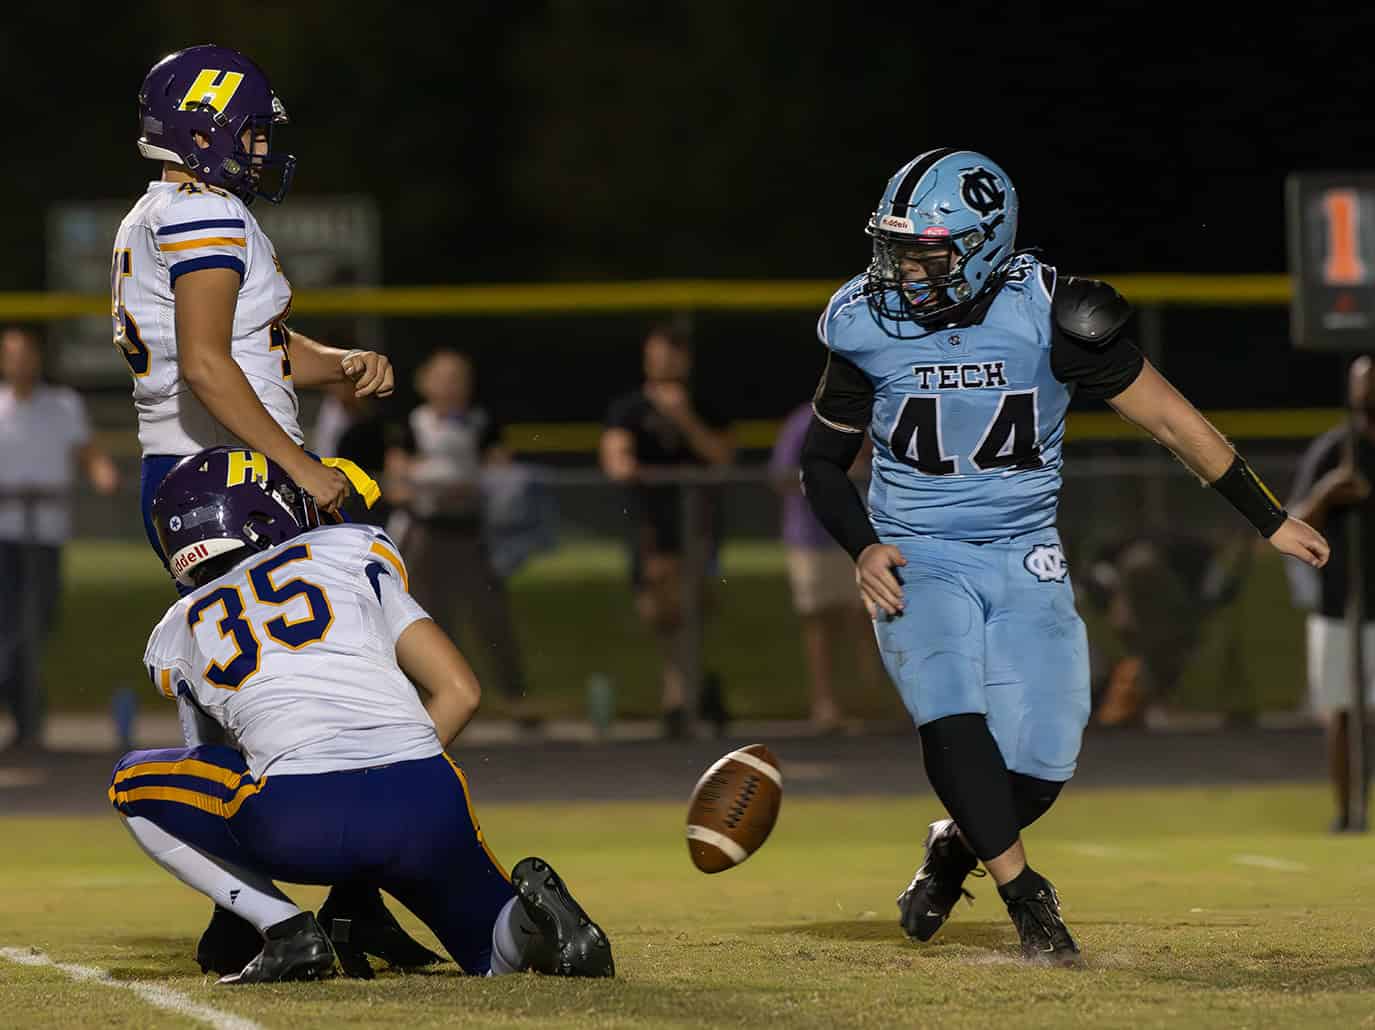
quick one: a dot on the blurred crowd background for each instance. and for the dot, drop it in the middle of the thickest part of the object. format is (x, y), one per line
(592, 471)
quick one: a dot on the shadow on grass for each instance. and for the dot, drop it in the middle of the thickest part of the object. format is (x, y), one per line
(154, 958)
(969, 934)
(1290, 974)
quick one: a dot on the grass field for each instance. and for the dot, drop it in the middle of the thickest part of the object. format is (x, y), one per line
(575, 619)
(1199, 908)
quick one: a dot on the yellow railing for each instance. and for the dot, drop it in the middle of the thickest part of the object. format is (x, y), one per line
(1080, 427)
(530, 299)
(761, 433)
(517, 299)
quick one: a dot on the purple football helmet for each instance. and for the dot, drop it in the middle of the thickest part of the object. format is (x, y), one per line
(218, 93)
(224, 499)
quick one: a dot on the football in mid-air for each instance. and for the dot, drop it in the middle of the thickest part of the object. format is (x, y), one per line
(733, 808)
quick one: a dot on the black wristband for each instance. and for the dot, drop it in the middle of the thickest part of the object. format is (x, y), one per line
(1248, 495)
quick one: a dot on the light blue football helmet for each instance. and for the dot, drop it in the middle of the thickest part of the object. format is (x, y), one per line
(944, 198)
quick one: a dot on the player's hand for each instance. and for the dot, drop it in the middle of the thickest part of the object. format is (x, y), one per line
(1343, 486)
(670, 398)
(878, 583)
(1297, 538)
(371, 373)
(328, 486)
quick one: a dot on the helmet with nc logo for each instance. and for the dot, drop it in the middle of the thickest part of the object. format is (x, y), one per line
(193, 109)
(955, 202)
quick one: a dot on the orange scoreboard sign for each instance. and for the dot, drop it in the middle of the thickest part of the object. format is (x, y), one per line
(1331, 238)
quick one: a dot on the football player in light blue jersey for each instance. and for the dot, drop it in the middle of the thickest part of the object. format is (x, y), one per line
(958, 354)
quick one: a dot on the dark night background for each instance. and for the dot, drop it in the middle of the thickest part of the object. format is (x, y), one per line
(588, 140)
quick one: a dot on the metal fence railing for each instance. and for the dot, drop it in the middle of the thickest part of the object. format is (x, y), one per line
(577, 623)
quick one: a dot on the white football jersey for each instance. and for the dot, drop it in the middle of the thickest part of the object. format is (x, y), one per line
(293, 653)
(177, 228)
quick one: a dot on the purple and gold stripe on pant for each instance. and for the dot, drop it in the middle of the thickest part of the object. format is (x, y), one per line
(172, 776)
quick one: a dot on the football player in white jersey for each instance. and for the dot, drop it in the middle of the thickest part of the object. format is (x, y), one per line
(200, 303)
(302, 646)
(198, 297)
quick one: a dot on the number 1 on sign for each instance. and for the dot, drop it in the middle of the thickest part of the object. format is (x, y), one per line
(1342, 264)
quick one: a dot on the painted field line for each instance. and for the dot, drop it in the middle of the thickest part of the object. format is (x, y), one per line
(154, 994)
(1093, 850)
(1278, 865)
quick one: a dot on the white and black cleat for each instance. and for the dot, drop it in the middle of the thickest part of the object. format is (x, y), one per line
(294, 949)
(931, 896)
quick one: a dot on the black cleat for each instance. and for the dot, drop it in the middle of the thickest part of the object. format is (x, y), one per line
(228, 944)
(359, 924)
(929, 899)
(1045, 938)
(575, 946)
(294, 949)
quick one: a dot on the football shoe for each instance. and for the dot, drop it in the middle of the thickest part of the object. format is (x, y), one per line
(573, 945)
(929, 899)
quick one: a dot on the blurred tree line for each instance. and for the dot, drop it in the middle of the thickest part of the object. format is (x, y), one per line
(592, 139)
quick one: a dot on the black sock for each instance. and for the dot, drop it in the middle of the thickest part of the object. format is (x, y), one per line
(968, 774)
(1024, 885)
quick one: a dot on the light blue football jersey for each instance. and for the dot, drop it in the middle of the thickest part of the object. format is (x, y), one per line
(968, 421)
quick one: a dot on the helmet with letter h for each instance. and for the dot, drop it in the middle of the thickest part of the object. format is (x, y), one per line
(218, 507)
(194, 108)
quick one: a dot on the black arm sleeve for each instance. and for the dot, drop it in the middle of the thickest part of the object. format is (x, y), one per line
(1098, 374)
(827, 455)
(844, 398)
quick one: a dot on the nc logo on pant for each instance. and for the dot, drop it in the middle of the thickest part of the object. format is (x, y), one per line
(1047, 563)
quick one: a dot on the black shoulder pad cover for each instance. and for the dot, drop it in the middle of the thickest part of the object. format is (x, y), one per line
(1090, 310)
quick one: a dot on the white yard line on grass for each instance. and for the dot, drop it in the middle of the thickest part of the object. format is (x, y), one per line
(1093, 850)
(1278, 865)
(154, 994)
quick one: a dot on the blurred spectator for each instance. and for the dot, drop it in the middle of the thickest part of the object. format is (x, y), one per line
(357, 429)
(822, 578)
(1333, 482)
(338, 410)
(43, 435)
(434, 473)
(1158, 592)
(652, 433)
(520, 515)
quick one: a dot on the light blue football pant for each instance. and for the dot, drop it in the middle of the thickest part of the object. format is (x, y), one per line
(991, 629)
